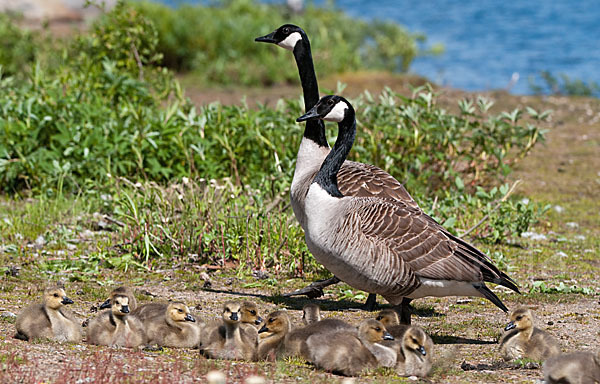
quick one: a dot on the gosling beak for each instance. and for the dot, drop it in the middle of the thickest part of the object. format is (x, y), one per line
(422, 350)
(310, 115)
(387, 336)
(267, 38)
(263, 329)
(125, 308)
(105, 305)
(234, 316)
(258, 320)
(189, 317)
(66, 300)
(510, 326)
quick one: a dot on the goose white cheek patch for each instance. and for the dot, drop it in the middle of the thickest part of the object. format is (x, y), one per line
(290, 41)
(337, 113)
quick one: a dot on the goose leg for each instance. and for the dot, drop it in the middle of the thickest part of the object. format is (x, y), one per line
(371, 303)
(404, 310)
(315, 289)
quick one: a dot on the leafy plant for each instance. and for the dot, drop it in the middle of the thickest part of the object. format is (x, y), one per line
(562, 84)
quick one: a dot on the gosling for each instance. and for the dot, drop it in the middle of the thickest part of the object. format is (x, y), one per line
(49, 319)
(273, 333)
(114, 327)
(389, 318)
(121, 291)
(311, 313)
(176, 328)
(295, 341)
(526, 341)
(573, 368)
(414, 357)
(229, 341)
(350, 353)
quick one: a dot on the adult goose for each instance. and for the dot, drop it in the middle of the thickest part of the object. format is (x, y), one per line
(354, 179)
(386, 246)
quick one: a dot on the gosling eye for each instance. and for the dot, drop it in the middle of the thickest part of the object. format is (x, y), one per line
(56, 295)
(378, 318)
(415, 341)
(271, 320)
(253, 312)
(180, 310)
(378, 329)
(519, 318)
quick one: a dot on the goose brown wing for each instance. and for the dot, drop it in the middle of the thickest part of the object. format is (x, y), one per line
(365, 180)
(422, 243)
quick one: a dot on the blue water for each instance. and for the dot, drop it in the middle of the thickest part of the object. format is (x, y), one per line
(489, 42)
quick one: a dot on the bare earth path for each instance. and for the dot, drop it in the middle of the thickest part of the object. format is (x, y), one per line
(565, 172)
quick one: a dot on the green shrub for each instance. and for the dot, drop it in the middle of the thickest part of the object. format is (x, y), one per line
(217, 41)
(563, 85)
(17, 46)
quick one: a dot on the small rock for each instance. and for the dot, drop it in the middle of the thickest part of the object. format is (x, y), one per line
(558, 209)
(13, 271)
(561, 254)
(255, 379)
(579, 237)
(8, 315)
(71, 247)
(229, 281)
(216, 377)
(261, 275)
(551, 322)
(572, 225)
(534, 236)
(40, 241)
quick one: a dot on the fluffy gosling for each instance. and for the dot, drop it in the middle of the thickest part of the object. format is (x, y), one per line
(414, 357)
(523, 340)
(350, 353)
(389, 318)
(49, 320)
(120, 291)
(573, 368)
(273, 332)
(114, 327)
(176, 328)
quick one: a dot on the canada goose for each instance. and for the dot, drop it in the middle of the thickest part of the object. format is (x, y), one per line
(114, 327)
(121, 291)
(311, 313)
(354, 179)
(229, 340)
(276, 327)
(573, 368)
(414, 357)
(523, 340)
(349, 353)
(389, 318)
(175, 328)
(295, 340)
(385, 246)
(49, 319)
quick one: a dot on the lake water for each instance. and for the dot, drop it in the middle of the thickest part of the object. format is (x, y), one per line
(489, 42)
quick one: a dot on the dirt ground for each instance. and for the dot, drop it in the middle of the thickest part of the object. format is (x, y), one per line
(565, 172)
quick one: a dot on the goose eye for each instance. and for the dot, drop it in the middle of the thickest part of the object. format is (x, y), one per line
(330, 102)
(286, 30)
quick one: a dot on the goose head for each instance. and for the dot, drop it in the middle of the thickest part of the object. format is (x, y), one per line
(123, 291)
(520, 319)
(415, 340)
(311, 313)
(250, 313)
(277, 322)
(120, 305)
(286, 36)
(55, 297)
(231, 312)
(179, 312)
(329, 108)
(373, 331)
(388, 317)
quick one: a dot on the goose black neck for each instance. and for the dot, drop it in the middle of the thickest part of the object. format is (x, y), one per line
(327, 175)
(315, 129)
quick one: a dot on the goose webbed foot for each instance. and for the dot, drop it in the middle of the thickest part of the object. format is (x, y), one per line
(315, 289)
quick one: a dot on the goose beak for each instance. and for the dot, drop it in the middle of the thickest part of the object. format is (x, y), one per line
(125, 309)
(267, 38)
(387, 336)
(422, 350)
(105, 305)
(263, 329)
(258, 320)
(234, 316)
(66, 300)
(310, 115)
(189, 317)
(510, 326)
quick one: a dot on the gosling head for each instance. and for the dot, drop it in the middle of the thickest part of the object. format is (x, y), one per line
(250, 313)
(520, 319)
(120, 305)
(388, 317)
(277, 322)
(231, 312)
(373, 331)
(329, 108)
(311, 313)
(122, 291)
(55, 297)
(179, 312)
(415, 340)
(286, 36)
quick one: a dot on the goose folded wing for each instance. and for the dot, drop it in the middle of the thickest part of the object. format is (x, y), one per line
(424, 245)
